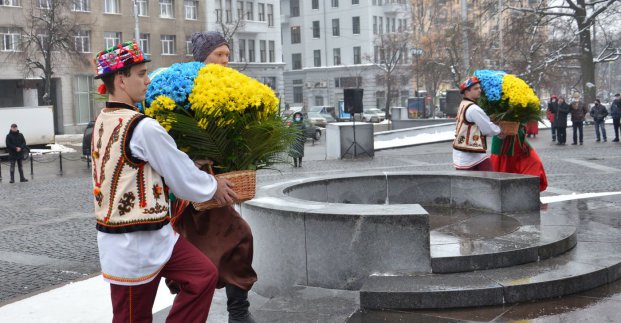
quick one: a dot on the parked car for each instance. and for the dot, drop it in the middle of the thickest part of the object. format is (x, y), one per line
(373, 115)
(317, 119)
(323, 111)
(311, 131)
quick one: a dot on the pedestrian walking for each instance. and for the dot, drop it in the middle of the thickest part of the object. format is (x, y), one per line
(472, 127)
(220, 233)
(551, 114)
(297, 147)
(599, 114)
(578, 113)
(16, 145)
(562, 111)
(615, 113)
(132, 157)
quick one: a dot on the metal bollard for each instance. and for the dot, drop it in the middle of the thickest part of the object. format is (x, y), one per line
(60, 157)
(31, 167)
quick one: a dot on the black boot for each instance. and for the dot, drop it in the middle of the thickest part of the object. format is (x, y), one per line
(300, 162)
(12, 172)
(295, 162)
(21, 175)
(237, 305)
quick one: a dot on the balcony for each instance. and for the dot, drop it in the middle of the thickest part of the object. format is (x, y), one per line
(394, 8)
(253, 27)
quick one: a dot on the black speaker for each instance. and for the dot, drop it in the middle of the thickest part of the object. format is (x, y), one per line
(353, 100)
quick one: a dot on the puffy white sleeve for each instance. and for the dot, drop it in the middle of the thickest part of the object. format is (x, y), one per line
(477, 115)
(151, 143)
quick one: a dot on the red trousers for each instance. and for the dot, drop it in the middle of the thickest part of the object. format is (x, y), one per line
(484, 166)
(197, 277)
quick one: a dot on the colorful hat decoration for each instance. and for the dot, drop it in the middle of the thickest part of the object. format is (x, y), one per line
(118, 58)
(470, 81)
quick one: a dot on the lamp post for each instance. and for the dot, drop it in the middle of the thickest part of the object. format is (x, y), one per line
(416, 52)
(136, 24)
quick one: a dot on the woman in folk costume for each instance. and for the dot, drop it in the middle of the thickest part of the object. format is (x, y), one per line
(514, 154)
(532, 128)
(135, 163)
(220, 233)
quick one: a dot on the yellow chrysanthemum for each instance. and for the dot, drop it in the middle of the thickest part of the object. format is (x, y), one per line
(517, 92)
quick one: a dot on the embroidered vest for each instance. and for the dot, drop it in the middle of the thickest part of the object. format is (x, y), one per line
(468, 136)
(129, 195)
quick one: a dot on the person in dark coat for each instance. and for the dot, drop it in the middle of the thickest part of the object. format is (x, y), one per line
(562, 110)
(599, 114)
(615, 113)
(551, 113)
(578, 112)
(297, 148)
(16, 144)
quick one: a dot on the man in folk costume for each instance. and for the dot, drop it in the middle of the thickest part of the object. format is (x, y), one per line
(220, 233)
(472, 128)
(135, 163)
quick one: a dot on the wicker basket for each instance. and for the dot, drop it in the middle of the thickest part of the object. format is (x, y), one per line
(245, 185)
(509, 128)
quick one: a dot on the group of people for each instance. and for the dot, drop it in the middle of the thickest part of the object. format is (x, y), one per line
(136, 164)
(510, 153)
(559, 110)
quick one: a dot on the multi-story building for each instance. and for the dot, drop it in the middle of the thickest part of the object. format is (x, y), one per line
(253, 27)
(165, 28)
(329, 45)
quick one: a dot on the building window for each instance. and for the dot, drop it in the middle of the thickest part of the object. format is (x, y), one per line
(240, 10)
(143, 8)
(168, 44)
(315, 4)
(145, 43)
(262, 51)
(355, 1)
(191, 9)
(111, 38)
(81, 5)
(188, 45)
(318, 100)
(261, 9)
(251, 51)
(317, 58)
(270, 81)
(298, 94)
(294, 8)
(82, 98)
(374, 25)
(228, 11)
(167, 9)
(272, 51)
(242, 50)
(355, 25)
(357, 55)
(296, 38)
(296, 61)
(335, 3)
(10, 3)
(336, 29)
(336, 52)
(316, 30)
(249, 10)
(270, 15)
(10, 39)
(112, 6)
(44, 4)
(82, 41)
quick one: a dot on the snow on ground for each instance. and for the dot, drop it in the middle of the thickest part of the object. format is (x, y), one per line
(574, 196)
(54, 149)
(86, 301)
(415, 140)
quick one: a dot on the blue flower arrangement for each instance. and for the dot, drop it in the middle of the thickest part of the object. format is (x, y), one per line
(491, 83)
(175, 82)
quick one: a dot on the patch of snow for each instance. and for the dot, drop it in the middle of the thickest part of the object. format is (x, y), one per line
(54, 149)
(589, 84)
(574, 196)
(415, 140)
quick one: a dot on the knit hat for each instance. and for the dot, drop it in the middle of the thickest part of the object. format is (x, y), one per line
(618, 94)
(205, 43)
(118, 58)
(13, 126)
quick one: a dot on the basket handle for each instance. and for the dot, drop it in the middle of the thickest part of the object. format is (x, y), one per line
(205, 165)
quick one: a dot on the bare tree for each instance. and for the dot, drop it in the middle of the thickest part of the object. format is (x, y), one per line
(228, 27)
(582, 15)
(388, 58)
(49, 36)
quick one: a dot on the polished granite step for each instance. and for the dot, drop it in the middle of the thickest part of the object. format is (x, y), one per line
(469, 240)
(588, 265)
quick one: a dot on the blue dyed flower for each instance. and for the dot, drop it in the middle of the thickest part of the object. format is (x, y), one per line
(176, 82)
(491, 83)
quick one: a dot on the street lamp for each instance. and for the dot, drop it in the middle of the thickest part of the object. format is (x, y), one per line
(416, 52)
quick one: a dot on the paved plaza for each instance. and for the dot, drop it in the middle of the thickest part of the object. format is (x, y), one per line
(48, 237)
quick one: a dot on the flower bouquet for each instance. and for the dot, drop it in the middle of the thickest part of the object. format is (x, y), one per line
(508, 100)
(216, 113)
